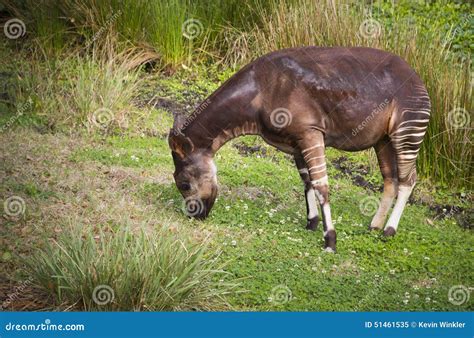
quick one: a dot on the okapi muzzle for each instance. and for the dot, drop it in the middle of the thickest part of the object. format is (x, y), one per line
(195, 176)
(301, 101)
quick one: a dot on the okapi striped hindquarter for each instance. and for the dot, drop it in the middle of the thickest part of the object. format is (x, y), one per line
(302, 100)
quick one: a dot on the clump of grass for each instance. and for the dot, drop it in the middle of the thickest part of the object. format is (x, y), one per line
(127, 270)
(95, 91)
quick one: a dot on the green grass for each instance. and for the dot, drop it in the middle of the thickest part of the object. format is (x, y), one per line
(142, 152)
(129, 270)
(258, 222)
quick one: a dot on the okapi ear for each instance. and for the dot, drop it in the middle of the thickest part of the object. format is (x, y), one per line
(180, 144)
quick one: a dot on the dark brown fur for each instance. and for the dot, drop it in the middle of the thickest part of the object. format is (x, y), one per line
(329, 91)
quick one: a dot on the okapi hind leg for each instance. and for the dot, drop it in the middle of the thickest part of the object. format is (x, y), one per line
(407, 180)
(404, 192)
(406, 138)
(387, 159)
(310, 197)
(312, 152)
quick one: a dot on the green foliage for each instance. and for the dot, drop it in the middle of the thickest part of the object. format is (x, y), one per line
(129, 270)
(450, 20)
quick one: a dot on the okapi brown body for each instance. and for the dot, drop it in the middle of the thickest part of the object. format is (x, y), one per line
(302, 100)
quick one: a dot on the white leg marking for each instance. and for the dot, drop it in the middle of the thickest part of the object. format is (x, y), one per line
(318, 171)
(404, 193)
(414, 121)
(303, 171)
(382, 211)
(317, 166)
(313, 158)
(312, 204)
(327, 217)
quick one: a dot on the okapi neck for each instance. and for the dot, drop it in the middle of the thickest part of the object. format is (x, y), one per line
(229, 112)
(212, 136)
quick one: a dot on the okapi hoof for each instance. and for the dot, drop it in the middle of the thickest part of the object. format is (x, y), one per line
(371, 228)
(330, 241)
(389, 232)
(312, 223)
(329, 250)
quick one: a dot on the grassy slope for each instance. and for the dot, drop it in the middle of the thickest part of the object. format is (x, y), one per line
(257, 222)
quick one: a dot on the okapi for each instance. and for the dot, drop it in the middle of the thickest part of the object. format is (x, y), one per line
(301, 100)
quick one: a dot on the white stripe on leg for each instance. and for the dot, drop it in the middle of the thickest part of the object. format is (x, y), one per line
(386, 202)
(404, 193)
(312, 204)
(326, 210)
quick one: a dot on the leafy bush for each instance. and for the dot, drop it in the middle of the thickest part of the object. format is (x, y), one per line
(452, 21)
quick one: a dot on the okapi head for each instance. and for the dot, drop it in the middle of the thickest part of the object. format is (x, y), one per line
(194, 175)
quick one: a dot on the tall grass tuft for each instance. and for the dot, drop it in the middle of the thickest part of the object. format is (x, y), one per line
(129, 270)
(94, 90)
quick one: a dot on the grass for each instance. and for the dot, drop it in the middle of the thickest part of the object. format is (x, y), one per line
(129, 270)
(257, 225)
(91, 91)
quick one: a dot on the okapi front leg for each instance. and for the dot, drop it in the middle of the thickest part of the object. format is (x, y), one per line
(312, 151)
(310, 197)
